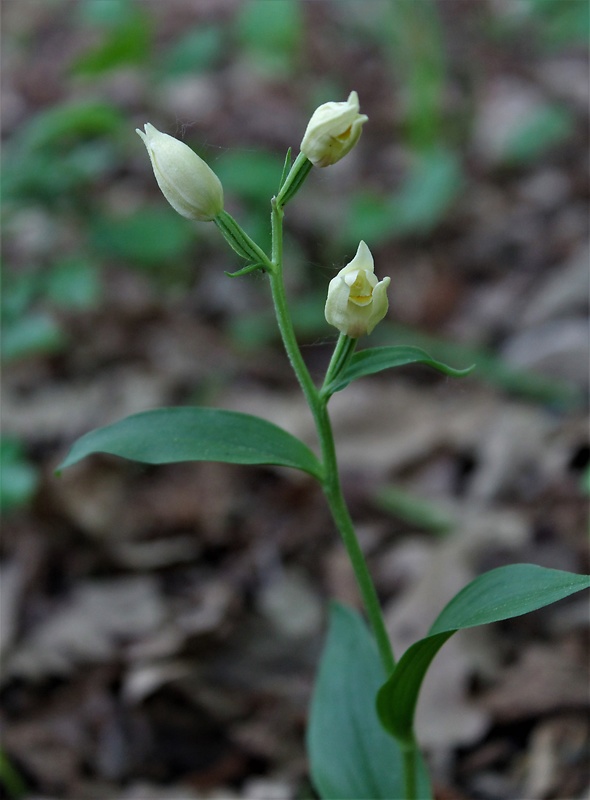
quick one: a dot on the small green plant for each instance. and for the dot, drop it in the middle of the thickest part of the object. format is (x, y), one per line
(11, 779)
(19, 476)
(361, 739)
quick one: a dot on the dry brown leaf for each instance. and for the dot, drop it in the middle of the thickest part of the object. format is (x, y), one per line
(546, 678)
(90, 626)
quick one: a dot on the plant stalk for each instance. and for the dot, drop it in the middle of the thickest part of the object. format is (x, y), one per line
(409, 753)
(333, 491)
(331, 480)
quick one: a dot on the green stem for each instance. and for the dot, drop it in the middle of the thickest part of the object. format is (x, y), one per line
(341, 515)
(285, 324)
(331, 481)
(409, 754)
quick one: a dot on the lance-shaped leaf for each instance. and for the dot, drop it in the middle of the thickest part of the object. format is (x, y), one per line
(168, 435)
(377, 359)
(500, 594)
(351, 756)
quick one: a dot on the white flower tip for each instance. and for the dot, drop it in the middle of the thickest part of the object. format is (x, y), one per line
(363, 250)
(353, 100)
(148, 132)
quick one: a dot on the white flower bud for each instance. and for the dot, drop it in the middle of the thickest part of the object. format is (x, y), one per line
(356, 300)
(190, 186)
(332, 131)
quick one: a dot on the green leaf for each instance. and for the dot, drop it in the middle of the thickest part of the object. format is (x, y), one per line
(74, 283)
(111, 14)
(11, 779)
(560, 23)
(70, 121)
(416, 511)
(59, 148)
(247, 270)
(19, 290)
(169, 435)
(507, 592)
(351, 756)
(252, 175)
(194, 52)
(270, 33)
(370, 213)
(35, 333)
(56, 175)
(547, 126)
(376, 359)
(432, 184)
(413, 35)
(127, 43)
(149, 237)
(19, 477)
(500, 594)
(286, 169)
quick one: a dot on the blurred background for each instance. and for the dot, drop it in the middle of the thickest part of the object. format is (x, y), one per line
(161, 626)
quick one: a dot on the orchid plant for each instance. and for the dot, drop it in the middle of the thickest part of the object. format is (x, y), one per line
(361, 740)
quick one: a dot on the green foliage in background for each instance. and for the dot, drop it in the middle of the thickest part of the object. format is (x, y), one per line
(270, 34)
(50, 168)
(200, 49)
(415, 511)
(250, 174)
(546, 127)
(19, 476)
(127, 37)
(73, 283)
(11, 779)
(152, 237)
(562, 23)
(432, 184)
(60, 153)
(414, 41)
(27, 329)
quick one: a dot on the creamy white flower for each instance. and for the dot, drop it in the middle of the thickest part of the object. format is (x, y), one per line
(357, 301)
(333, 131)
(187, 182)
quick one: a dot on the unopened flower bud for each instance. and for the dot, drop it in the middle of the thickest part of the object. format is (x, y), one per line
(332, 131)
(357, 301)
(190, 186)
